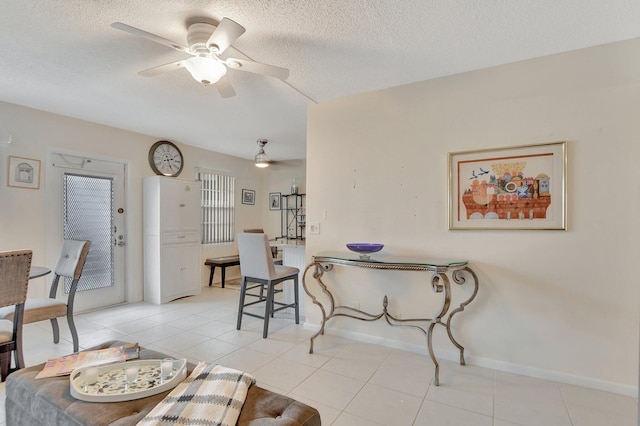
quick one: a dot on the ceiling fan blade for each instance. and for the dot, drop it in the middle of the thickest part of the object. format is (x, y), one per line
(258, 68)
(224, 87)
(162, 68)
(224, 35)
(140, 33)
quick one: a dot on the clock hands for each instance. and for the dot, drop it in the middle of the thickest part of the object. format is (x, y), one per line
(168, 160)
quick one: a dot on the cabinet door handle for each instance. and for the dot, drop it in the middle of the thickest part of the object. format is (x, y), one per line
(182, 205)
(182, 236)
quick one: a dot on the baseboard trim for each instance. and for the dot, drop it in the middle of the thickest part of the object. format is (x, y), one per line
(507, 367)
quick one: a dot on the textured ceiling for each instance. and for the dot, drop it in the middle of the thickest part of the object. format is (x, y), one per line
(62, 56)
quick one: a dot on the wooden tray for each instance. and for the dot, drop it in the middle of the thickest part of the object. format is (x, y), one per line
(112, 384)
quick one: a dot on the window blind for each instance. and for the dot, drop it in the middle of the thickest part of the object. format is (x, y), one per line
(218, 215)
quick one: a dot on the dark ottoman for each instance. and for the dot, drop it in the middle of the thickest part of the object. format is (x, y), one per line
(31, 402)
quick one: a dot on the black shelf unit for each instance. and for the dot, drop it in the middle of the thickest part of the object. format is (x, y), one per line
(292, 216)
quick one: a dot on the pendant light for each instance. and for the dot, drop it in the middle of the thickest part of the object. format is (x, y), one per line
(261, 158)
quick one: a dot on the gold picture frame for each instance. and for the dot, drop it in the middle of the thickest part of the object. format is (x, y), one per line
(520, 187)
(23, 173)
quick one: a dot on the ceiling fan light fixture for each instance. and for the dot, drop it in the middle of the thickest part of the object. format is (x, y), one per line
(205, 70)
(262, 160)
(206, 42)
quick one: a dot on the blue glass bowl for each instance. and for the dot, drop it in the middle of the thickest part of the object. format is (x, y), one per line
(365, 249)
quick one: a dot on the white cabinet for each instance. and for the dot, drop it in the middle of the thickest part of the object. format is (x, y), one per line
(171, 238)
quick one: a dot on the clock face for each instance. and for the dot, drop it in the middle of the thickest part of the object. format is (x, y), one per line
(165, 159)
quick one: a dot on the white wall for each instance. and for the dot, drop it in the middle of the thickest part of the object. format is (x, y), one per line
(36, 133)
(555, 304)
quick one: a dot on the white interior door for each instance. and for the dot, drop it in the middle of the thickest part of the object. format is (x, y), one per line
(91, 195)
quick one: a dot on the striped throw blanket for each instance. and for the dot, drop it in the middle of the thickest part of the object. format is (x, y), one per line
(212, 395)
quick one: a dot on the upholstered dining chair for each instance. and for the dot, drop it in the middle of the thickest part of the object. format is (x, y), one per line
(14, 278)
(274, 250)
(70, 265)
(257, 266)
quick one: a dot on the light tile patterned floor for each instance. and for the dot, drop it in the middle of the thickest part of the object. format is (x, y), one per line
(350, 383)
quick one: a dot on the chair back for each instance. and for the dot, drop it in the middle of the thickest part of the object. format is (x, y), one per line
(72, 258)
(255, 256)
(274, 250)
(14, 276)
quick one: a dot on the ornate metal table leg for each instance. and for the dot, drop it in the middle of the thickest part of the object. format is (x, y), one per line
(438, 287)
(317, 274)
(459, 279)
(436, 376)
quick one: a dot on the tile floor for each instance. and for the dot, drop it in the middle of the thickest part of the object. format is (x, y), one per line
(349, 382)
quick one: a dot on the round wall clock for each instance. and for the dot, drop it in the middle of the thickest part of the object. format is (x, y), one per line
(165, 159)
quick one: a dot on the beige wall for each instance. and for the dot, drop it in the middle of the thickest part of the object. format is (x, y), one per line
(554, 304)
(23, 212)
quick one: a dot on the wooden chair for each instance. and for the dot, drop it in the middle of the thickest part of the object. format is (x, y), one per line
(257, 266)
(14, 278)
(70, 264)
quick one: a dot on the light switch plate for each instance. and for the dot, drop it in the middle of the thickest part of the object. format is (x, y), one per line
(314, 228)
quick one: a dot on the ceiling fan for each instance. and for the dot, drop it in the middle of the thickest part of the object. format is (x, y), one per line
(206, 43)
(261, 158)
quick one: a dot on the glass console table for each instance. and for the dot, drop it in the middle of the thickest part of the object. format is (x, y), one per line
(441, 272)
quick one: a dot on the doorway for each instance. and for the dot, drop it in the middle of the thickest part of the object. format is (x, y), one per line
(89, 204)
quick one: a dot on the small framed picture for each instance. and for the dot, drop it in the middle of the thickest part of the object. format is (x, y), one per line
(248, 196)
(24, 173)
(274, 201)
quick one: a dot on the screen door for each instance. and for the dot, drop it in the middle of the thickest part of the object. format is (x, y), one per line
(92, 199)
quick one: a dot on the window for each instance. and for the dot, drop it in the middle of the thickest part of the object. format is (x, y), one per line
(217, 201)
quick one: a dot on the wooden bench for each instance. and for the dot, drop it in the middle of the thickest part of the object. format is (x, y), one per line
(224, 262)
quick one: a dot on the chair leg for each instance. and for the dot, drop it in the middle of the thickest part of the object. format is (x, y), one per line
(5, 361)
(263, 298)
(243, 291)
(74, 332)
(18, 356)
(296, 299)
(56, 330)
(268, 310)
(273, 303)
